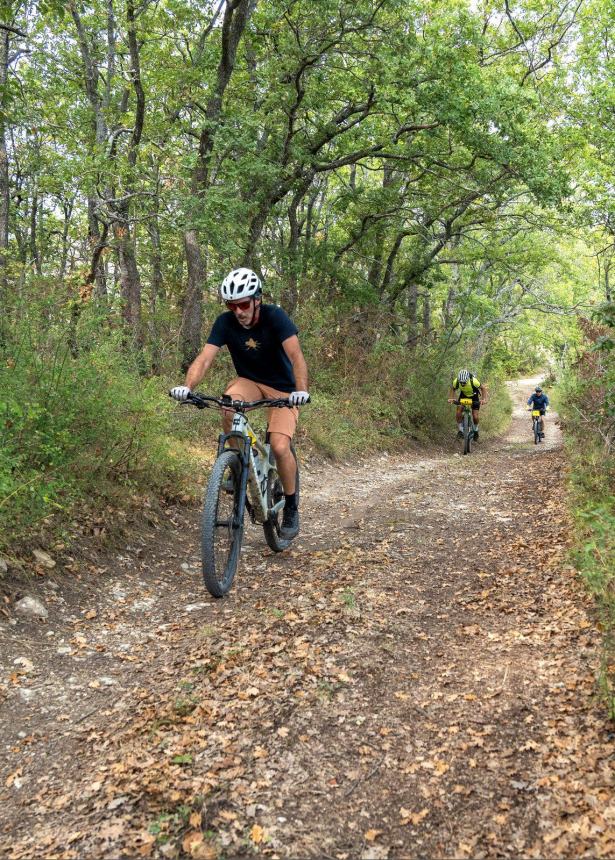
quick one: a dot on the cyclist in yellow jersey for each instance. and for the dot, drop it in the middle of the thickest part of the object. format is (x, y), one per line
(465, 384)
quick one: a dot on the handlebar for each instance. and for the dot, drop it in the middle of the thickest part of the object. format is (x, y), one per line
(205, 401)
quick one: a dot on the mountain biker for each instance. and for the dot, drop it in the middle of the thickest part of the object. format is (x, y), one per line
(539, 400)
(264, 347)
(467, 385)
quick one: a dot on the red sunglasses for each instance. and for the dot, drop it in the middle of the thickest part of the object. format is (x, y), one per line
(239, 306)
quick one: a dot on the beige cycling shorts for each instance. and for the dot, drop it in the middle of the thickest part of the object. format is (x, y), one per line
(278, 420)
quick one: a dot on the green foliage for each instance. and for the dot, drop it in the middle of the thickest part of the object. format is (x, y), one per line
(70, 429)
(586, 399)
(387, 397)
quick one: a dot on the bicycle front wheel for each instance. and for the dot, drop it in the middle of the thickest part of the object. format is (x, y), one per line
(468, 432)
(222, 524)
(536, 432)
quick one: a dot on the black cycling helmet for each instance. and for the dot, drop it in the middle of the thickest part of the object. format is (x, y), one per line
(538, 389)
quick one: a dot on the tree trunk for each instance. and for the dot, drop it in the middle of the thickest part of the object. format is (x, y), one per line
(451, 297)
(67, 209)
(290, 292)
(426, 314)
(34, 250)
(4, 173)
(236, 15)
(192, 316)
(411, 314)
(94, 237)
(156, 288)
(130, 287)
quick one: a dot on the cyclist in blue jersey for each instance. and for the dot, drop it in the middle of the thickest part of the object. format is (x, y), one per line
(269, 362)
(539, 400)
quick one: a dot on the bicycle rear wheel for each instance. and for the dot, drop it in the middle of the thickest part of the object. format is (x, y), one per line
(222, 524)
(275, 493)
(468, 432)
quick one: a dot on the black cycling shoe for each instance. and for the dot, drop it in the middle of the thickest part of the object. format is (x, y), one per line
(476, 435)
(290, 524)
(460, 434)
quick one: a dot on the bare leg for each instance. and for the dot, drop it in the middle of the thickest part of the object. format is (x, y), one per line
(285, 461)
(227, 423)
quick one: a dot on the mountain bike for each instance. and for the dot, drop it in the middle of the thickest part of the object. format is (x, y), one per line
(469, 427)
(537, 426)
(244, 476)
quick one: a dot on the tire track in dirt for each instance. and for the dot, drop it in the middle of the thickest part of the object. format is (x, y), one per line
(415, 678)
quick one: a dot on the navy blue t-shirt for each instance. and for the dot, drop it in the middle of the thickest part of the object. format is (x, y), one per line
(538, 401)
(257, 352)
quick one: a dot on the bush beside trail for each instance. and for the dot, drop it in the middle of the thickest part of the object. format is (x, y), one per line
(76, 433)
(73, 432)
(586, 398)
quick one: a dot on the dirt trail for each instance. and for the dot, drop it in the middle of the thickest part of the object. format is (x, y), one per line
(416, 678)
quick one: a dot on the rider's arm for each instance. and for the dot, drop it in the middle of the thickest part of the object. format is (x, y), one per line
(483, 394)
(452, 396)
(293, 350)
(201, 365)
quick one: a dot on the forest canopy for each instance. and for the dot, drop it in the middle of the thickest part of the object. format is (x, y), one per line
(432, 171)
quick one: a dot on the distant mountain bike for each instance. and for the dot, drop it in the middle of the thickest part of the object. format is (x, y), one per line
(244, 476)
(469, 427)
(537, 426)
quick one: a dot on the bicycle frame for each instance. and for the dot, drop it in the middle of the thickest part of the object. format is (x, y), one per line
(466, 405)
(467, 408)
(255, 457)
(256, 462)
(537, 425)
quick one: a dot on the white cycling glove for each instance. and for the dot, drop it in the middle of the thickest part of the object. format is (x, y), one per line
(180, 392)
(298, 398)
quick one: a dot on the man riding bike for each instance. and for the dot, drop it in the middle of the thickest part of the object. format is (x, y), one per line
(465, 384)
(539, 400)
(264, 347)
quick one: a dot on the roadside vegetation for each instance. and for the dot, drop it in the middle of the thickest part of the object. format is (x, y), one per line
(78, 434)
(587, 402)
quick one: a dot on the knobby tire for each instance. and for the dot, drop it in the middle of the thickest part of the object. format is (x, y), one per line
(468, 432)
(222, 524)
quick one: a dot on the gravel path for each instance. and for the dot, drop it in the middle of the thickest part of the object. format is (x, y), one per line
(415, 678)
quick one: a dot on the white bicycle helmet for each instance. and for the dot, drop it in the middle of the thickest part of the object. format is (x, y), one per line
(463, 376)
(240, 284)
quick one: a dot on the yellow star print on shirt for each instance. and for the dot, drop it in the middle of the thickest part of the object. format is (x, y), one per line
(252, 344)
